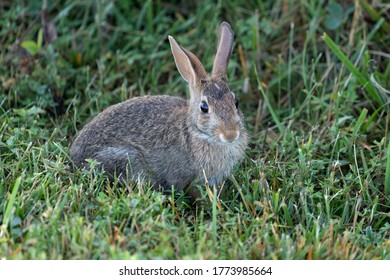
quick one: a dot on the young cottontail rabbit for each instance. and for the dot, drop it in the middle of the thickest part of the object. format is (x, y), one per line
(169, 140)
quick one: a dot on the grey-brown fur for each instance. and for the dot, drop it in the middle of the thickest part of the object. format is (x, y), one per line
(166, 139)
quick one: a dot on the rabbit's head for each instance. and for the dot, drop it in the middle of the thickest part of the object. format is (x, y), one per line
(214, 113)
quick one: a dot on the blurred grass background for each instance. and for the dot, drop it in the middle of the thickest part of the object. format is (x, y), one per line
(313, 82)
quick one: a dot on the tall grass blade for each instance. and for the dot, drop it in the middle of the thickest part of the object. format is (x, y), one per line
(387, 176)
(359, 122)
(371, 119)
(11, 202)
(270, 109)
(287, 215)
(375, 15)
(351, 67)
(214, 218)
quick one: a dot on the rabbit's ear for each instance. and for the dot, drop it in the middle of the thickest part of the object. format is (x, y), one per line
(189, 66)
(225, 47)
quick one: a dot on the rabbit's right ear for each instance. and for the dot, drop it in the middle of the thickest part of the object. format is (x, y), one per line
(225, 47)
(189, 66)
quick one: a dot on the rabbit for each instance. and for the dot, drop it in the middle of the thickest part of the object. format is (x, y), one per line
(169, 140)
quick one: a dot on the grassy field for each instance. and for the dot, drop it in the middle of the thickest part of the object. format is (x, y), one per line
(313, 82)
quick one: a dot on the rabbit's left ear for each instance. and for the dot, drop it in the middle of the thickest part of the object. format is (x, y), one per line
(225, 47)
(189, 66)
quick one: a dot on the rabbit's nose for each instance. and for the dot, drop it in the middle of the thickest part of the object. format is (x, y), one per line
(229, 135)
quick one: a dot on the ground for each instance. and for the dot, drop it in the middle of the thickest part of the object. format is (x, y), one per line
(313, 82)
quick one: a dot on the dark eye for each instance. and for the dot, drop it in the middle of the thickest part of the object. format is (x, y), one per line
(236, 101)
(204, 107)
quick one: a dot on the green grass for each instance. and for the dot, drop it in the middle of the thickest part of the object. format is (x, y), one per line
(315, 183)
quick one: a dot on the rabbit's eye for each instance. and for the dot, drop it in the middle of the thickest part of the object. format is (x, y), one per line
(204, 107)
(236, 101)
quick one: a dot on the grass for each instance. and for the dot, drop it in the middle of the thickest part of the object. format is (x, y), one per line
(314, 184)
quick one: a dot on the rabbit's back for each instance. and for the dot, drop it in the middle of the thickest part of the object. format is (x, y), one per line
(138, 136)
